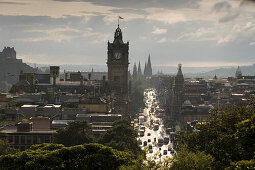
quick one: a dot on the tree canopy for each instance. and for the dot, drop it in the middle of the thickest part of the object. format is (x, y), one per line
(57, 156)
(76, 133)
(122, 137)
(228, 136)
(5, 148)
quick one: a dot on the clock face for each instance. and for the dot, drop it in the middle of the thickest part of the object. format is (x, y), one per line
(117, 55)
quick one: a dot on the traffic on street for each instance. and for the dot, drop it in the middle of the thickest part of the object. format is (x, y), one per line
(152, 135)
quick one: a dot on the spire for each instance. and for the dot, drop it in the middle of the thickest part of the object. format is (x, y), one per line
(118, 36)
(149, 69)
(134, 72)
(145, 69)
(179, 73)
(139, 71)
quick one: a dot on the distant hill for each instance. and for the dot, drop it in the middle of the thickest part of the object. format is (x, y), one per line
(224, 72)
(205, 72)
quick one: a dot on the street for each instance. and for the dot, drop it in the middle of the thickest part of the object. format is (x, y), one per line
(151, 132)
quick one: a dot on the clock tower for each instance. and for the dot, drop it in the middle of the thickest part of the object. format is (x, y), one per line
(117, 62)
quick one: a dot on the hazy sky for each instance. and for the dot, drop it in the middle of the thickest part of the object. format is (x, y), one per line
(192, 32)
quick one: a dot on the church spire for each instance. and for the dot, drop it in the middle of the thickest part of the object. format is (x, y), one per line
(139, 74)
(135, 72)
(149, 69)
(145, 69)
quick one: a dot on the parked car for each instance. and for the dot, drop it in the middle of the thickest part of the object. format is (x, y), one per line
(145, 143)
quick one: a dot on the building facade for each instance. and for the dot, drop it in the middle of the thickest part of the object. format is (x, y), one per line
(118, 62)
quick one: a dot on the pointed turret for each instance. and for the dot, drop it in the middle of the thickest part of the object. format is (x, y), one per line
(145, 70)
(139, 74)
(149, 69)
(134, 72)
(118, 36)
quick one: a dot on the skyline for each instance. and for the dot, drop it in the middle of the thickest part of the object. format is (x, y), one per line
(195, 33)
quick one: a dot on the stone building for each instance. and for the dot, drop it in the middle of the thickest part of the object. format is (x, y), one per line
(36, 131)
(118, 62)
(178, 93)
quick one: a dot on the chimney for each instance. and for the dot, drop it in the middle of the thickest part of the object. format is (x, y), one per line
(24, 126)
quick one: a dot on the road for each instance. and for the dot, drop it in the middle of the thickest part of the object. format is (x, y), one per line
(151, 135)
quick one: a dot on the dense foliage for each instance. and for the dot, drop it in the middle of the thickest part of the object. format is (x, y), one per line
(5, 148)
(228, 136)
(76, 133)
(56, 156)
(190, 160)
(122, 137)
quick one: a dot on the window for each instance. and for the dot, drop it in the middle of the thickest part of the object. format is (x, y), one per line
(16, 139)
(47, 139)
(34, 139)
(40, 139)
(22, 139)
(10, 139)
(29, 139)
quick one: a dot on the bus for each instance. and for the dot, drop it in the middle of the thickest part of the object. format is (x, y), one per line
(156, 127)
(160, 142)
(141, 120)
(166, 140)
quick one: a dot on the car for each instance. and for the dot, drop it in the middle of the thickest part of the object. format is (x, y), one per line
(156, 127)
(150, 146)
(148, 134)
(166, 140)
(140, 142)
(169, 148)
(149, 140)
(165, 152)
(150, 151)
(172, 151)
(144, 143)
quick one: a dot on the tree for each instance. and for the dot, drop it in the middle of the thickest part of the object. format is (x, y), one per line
(222, 136)
(57, 156)
(76, 133)
(190, 160)
(245, 136)
(5, 148)
(122, 137)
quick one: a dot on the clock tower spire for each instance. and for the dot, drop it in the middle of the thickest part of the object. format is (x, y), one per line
(118, 62)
